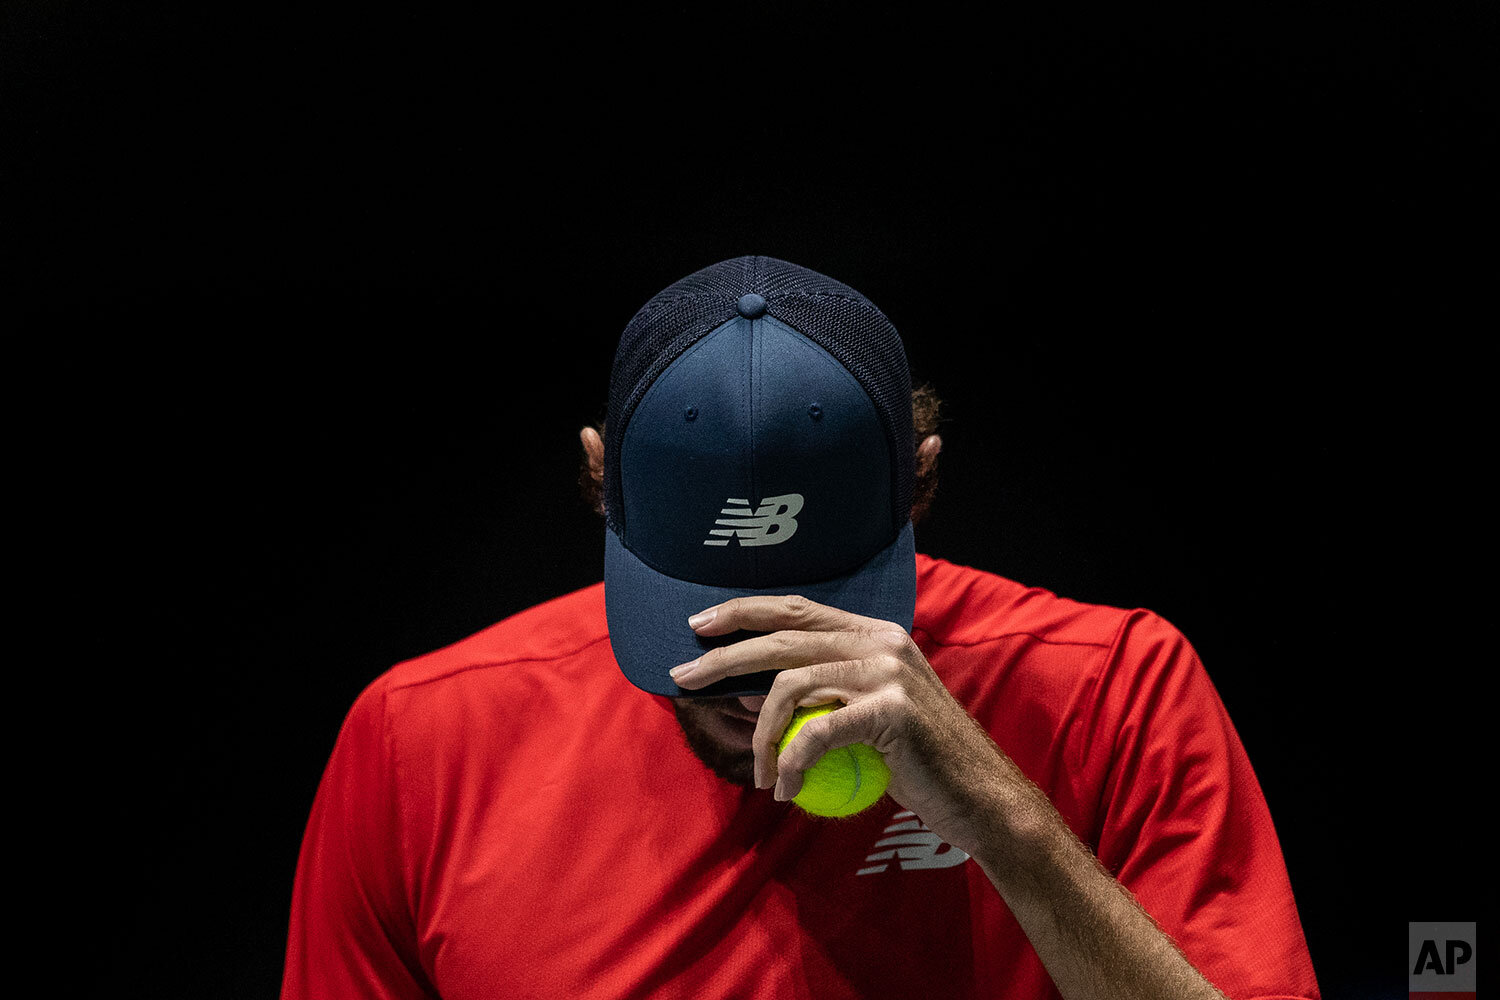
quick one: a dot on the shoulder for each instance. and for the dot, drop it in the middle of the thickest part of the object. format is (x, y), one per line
(555, 629)
(960, 605)
(480, 682)
(995, 631)
(441, 712)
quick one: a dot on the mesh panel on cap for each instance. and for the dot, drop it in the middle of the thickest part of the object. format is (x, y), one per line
(829, 313)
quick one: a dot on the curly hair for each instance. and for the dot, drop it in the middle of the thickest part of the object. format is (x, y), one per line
(925, 418)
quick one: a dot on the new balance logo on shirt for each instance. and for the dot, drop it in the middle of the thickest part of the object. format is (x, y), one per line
(912, 845)
(772, 523)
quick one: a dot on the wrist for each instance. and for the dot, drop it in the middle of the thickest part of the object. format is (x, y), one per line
(1024, 834)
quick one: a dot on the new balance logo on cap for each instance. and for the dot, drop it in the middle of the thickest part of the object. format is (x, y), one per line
(773, 522)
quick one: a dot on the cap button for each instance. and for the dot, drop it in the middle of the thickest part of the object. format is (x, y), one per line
(751, 305)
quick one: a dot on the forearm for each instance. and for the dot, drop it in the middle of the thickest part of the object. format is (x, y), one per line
(1091, 935)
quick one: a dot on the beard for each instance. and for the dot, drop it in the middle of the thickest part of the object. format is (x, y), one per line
(706, 731)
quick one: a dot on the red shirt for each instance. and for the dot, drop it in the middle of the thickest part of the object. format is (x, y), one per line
(510, 817)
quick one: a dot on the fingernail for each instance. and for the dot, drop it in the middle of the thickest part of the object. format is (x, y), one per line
(780, 794)
(702, 618)
(681, 670)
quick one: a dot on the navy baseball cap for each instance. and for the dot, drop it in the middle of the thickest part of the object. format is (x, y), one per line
(758, 441)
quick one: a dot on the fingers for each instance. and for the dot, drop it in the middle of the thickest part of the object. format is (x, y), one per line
(769, 613)
(852, 682)
(823, 655)
(766, 652)
(818, 684)
(865, 720)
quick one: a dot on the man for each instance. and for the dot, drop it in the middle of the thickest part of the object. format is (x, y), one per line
(1070, 812)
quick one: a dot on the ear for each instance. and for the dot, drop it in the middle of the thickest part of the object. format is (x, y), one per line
(593, 448)
(927, 453)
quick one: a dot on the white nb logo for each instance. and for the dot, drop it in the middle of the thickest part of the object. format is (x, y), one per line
(773, 522)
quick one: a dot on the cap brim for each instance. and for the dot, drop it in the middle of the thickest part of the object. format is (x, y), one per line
(647, 612)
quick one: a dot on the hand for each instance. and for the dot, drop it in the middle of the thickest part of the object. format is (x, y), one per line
(942, 762)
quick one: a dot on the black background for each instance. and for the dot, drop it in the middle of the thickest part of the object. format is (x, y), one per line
(313, 300)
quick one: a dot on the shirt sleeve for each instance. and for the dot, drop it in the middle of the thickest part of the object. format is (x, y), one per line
(1185, 825)
(352, 932)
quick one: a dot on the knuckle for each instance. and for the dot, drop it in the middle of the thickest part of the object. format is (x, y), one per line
(892, 640)
(795, 605)
(776, 691)
(812, 736)
(896, 701)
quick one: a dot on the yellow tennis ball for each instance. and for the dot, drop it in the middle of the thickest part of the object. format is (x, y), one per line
(845, 780)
